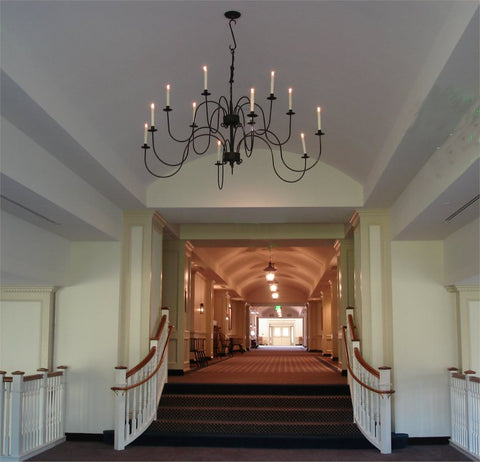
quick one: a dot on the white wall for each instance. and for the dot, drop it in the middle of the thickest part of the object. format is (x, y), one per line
(20, 336)
(425, 342)
(462, 255)
(87, 313)
(30, 255)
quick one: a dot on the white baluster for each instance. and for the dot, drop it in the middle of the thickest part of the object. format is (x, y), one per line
(120, 400)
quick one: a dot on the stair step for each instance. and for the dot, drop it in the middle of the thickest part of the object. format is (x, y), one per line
(264, 416)
(257, 389)
(208, 427)
(255, 414)
(277, 401)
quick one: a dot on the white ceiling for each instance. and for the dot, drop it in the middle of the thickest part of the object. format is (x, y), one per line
(394, 78)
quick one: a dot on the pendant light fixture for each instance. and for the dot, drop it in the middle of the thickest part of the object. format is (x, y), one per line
(230, 126)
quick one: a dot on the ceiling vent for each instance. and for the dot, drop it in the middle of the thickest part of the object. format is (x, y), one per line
(43, 217)
(462, 208)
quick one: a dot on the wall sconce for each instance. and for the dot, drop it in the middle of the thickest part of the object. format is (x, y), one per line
(202, 308)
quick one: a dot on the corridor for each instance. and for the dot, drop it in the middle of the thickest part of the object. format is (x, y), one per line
(267, 365)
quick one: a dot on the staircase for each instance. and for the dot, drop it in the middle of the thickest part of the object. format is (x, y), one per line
(276, 416)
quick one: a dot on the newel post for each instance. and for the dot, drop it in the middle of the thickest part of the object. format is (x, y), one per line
(16, 429)
(43, 405)
(469, 408)
(120, 399)
(63, 397)
(385, 411)
(2, 410)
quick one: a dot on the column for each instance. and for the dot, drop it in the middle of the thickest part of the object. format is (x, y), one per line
(345, 290)
(373, 291)
(177, 297)
(327, 319)
(315, 324)
(141, 283)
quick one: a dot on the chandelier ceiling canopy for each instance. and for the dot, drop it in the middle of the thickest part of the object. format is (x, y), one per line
(231, 126)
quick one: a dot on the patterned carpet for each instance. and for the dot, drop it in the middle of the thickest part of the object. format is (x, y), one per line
(281, 365)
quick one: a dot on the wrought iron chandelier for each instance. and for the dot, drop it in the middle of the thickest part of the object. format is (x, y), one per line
(232, 127)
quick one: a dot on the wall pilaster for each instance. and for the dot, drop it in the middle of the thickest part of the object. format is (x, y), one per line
(141, 283)
(177, 297)
(373, 287)
(345, 289)
(468, 325)
(315, 325)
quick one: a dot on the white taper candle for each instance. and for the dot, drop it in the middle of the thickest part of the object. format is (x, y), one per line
(205, 76)
(194, 107)
(290, 99)
(252, 99)
(168, 95)
(302, 135)
(319, 118)
(152, 114)
(219, 150)
(145, 133)
(272, 80)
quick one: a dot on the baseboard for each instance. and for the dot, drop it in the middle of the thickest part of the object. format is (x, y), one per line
(429, 440)
(84, 436)
(176, 372)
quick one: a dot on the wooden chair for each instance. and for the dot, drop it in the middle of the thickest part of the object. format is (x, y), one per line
(197, 347)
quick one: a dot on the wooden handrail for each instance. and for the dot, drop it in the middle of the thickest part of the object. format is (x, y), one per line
(364, 363)
(31, 378)
(351, 325)
(142, 362)
(152, 350)
(160, 329)
(55, 374)
(363, 384)
(146, 379)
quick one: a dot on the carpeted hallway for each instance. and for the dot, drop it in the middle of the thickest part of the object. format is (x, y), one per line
(275, 366)
(272, 365)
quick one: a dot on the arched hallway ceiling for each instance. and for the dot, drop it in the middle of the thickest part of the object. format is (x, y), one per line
(239, 267)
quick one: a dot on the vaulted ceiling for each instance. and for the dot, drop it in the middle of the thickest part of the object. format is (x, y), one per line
(398, 82)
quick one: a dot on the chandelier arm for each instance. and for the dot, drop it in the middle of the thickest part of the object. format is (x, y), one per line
(164, 162)
(209, 119)
(277, 172)
(215, 125)
(287, 139)
(305, 156)
(248, 150)
(179, 166)
(217, 136)
(170, 132)
(284, 162)
(269, 114)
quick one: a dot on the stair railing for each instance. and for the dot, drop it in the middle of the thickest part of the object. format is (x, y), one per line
(465, 411)
(32, 412)
(139, 389)
(370, 390)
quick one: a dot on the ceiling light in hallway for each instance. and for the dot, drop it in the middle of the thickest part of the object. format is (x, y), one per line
(270, 271)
